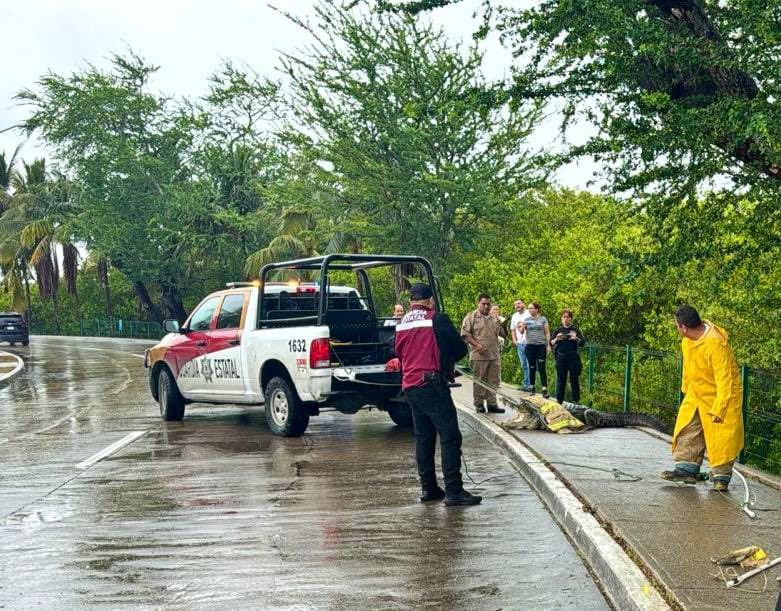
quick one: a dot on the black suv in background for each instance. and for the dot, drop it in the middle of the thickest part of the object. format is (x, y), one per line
(13, 329)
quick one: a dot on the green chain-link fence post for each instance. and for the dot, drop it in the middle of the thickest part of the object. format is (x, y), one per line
(628, 378)
(591, 352)
(744, 377)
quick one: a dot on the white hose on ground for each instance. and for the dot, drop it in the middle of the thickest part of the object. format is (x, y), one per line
(748, 501)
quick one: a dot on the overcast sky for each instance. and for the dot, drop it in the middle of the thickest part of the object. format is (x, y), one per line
(187, 38)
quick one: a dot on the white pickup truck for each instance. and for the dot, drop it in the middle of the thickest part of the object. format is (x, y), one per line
(296, 346)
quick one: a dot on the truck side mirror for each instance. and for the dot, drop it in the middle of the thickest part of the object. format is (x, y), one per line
(171, 326)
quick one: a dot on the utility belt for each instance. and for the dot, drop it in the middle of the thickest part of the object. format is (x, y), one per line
(439, 382)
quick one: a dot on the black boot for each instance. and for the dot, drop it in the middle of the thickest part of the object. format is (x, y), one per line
(462, 498)
(432, 494)
(495, 409)
(677, 475)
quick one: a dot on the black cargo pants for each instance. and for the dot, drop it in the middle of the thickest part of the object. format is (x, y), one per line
(434, 413)
(568, 365)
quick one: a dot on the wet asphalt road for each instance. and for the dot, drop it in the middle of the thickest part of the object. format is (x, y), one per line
(216, 512)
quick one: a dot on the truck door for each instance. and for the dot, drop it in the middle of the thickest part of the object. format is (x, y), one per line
(194, 374)
(224, 349)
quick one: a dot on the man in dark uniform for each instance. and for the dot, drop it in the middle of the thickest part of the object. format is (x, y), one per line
(428, 346)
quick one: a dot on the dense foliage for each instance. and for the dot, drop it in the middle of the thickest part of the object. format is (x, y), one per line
(385, 136)
(170, 192)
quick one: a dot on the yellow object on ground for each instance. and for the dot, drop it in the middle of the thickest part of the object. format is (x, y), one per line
(558, 419)
(747, 557)
(711, 383)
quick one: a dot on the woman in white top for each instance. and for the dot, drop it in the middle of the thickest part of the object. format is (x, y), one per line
(537, 345)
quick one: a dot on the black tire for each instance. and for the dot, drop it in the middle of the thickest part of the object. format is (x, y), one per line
(168, 396)
(400, 413)
(26, 342)
(285, 413)
(12, 343)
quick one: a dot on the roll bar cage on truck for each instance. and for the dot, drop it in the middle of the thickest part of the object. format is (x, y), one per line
(296, 347)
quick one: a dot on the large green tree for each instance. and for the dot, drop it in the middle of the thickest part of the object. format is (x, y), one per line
(171, 190)
(403, 150)
(682, 100)
(683, 96)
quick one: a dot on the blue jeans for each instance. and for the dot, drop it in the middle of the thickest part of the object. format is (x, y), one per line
(524, 363)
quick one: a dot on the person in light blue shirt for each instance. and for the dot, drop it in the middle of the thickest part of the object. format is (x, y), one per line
(519, 339)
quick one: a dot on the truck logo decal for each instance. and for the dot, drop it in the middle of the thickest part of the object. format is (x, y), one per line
(206, 370)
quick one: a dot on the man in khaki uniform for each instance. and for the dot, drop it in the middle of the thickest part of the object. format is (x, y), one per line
(482, 332)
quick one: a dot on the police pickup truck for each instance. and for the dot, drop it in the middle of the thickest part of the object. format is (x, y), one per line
(296, 345)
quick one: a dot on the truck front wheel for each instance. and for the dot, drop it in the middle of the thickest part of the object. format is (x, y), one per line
(400, 413)
(285, 414)
(168, 396)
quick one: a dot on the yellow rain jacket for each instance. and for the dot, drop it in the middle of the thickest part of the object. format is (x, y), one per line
(711, 383)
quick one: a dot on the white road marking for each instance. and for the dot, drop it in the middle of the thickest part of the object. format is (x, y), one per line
(19, 365)
(141, 356)
(108, 451)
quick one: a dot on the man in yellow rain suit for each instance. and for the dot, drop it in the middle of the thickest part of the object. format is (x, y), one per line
(711, 414)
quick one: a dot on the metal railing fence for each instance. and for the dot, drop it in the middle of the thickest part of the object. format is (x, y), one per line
(101, 327)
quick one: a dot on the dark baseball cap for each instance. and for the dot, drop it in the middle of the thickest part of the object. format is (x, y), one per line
(420, 291)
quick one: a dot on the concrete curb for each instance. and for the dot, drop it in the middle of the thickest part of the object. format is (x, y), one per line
(17, 368)
(624, 583)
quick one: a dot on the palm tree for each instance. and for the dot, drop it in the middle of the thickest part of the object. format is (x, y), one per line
(64, 208)
(7, 173)
(13, 256)
(39, 212)
(296, 238)
(98, 263)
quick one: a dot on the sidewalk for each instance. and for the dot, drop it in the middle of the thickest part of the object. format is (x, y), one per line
(673, 531)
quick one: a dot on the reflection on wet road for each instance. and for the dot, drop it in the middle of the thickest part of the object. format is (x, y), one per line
(216, 512)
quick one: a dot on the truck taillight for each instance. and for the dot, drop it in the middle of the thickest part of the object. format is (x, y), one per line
(320, 353)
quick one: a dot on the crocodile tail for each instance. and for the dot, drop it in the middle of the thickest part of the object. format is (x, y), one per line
(597, 419)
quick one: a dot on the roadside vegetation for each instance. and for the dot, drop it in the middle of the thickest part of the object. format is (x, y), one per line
(383, 135)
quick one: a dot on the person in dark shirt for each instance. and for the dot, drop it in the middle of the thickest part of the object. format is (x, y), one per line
(428, 347)
(566, 340)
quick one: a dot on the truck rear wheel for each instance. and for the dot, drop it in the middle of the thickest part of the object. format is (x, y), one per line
(168, 396)
(285, 414)
(400, 413)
